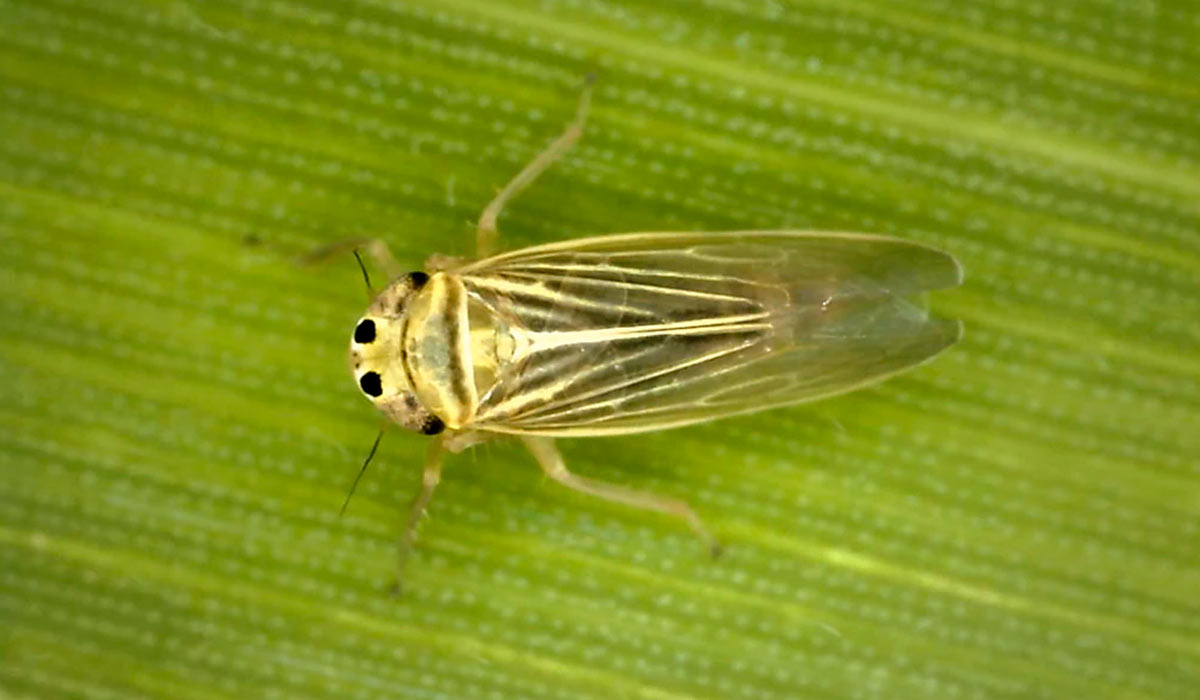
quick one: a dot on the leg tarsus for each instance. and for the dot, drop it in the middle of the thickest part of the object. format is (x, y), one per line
(551, 461)
(486, 232)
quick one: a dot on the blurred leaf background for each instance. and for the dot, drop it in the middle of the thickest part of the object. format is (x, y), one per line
(1020, 518)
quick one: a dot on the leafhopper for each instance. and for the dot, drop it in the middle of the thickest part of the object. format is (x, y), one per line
(625, 333)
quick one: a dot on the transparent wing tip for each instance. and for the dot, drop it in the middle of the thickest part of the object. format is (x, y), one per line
(936, 336)
(919, 268)
(949, 331)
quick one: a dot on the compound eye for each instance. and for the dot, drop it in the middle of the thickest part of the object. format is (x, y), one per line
(433, 425)
(371, 384)
(364, 332)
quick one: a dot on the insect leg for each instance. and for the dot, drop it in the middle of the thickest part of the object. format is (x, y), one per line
(375, 248)
(430, 476)
(486, 233)
(551, 461)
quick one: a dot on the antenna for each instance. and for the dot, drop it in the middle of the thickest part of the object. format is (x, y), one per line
(365, 461)
(367, 280)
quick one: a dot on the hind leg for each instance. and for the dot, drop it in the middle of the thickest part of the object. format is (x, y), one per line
(551, 461)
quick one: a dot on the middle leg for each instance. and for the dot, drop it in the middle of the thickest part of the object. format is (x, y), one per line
(486, 233)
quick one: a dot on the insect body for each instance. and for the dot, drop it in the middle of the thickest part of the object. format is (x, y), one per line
(633, 332)
(628, 333)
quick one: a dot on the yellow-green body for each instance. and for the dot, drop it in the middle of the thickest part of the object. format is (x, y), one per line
(634, 332)
(625, 333)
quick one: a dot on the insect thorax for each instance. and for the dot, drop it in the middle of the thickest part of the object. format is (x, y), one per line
(454, 348)
(426, 351)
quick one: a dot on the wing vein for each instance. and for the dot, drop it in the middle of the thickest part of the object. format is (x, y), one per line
(638, 332)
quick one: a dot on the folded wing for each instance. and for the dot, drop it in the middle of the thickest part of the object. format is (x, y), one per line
(647, 331)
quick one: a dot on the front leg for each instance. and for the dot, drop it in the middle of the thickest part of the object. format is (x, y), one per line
(444, 263)
(375, 249)
(431, 476)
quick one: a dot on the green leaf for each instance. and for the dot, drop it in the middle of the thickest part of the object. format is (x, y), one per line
(1020, 518)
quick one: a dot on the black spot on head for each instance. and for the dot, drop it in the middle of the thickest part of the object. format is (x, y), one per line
(364, 332)
(433, 425)
(371, 384)
(418, 279)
